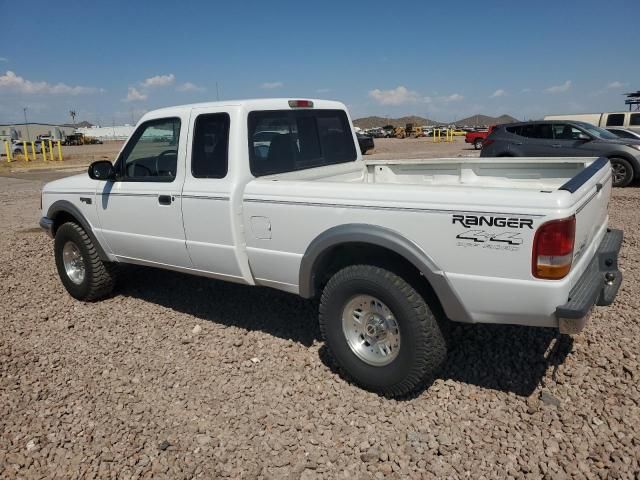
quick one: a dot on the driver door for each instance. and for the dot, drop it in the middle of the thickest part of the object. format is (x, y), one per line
(140, 213)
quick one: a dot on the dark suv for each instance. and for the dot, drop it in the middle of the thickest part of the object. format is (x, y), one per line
(553, 138)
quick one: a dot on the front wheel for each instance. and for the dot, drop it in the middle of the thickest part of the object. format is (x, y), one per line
(622, 172)
(84, 275)
(477, 144)
(380, 330)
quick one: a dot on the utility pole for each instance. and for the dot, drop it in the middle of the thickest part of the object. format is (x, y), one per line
(26, 124)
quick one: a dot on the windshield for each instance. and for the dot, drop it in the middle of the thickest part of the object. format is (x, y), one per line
(598, 132)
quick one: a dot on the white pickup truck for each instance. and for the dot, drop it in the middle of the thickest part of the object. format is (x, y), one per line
(275, 193)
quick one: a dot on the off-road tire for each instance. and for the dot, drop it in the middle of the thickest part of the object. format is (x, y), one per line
(100, 276)
(422, 349)
(623, 165)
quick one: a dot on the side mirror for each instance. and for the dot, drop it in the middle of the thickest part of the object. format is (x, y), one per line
(583, 137)
(102, 170)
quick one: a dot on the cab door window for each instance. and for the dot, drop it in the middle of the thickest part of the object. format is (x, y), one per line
(152, 153)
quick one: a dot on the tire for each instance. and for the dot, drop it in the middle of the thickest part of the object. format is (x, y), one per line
(421, 348)
(622, 172)
(88, 278)
(477, 144)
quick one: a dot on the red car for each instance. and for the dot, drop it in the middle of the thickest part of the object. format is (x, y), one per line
(476, 138)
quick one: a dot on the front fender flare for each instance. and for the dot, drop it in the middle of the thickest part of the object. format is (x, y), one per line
(65, 206)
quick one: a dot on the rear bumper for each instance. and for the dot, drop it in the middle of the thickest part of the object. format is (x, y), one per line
(598, 285)
(47, 225)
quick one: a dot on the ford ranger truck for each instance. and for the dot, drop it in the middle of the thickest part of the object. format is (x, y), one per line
(276, 193)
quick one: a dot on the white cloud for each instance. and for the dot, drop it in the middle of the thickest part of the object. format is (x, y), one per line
(559, 88)
(498, 93)
(189, 87)
(4, 59)
(12, 82)
(396, 96)
(455, 97)
(526, 90)
(134, 95)
(271, 85)
(616, 84)
(159, 81)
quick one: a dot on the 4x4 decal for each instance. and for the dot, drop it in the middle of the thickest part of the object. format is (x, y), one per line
(480, 236)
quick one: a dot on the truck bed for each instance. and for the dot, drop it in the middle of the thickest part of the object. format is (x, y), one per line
(546, 174)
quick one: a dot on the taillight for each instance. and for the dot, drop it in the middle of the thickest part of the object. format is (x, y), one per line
(553, 249)
(486, 142)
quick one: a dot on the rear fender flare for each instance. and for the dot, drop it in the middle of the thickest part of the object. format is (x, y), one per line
(381, 237)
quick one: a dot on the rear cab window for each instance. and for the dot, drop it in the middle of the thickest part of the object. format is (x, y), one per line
(289, 140)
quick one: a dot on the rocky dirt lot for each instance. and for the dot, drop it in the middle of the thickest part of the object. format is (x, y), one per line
(180, 377)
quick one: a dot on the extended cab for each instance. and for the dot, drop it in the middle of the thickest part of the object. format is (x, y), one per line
(276, 193)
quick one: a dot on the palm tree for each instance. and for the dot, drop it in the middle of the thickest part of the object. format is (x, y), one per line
(73, 116)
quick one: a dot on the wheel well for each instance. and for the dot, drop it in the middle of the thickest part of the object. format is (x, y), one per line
(61, 218)
(361, 253)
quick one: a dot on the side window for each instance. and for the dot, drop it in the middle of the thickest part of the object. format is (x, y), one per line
(537, 130)
(209, 155)
(615, 120)
(152, 153)
(516, 130)
(563, 131)
(635, 119)
(283, 141)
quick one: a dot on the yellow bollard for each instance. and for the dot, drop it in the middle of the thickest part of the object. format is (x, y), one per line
(33, 150)
(43, 149)
(8, 150)
(51, 150)
(59, 151)
(25, 151)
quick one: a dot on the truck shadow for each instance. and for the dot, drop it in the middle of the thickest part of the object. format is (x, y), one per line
(498, 357)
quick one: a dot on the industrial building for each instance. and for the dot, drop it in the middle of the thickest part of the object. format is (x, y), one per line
(115, 132)
(31, 131)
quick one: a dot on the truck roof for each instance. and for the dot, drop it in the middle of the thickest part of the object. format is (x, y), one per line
(249, 104)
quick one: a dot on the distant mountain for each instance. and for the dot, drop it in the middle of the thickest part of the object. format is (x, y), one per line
(371, 122)
(485, 120)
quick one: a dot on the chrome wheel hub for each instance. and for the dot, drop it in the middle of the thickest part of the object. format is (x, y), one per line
(371, 330)
(73, 262)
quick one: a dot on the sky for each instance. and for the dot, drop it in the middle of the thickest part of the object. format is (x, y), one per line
(113, 61)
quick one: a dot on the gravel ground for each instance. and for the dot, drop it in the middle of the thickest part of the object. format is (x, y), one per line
(181, 377)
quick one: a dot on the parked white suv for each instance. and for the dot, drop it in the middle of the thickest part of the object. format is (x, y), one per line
(392, 248)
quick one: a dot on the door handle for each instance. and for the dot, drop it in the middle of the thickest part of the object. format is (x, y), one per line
(556, 145)
(516, 143)
(164, 199)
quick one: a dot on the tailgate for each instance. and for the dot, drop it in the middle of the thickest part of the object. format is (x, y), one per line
(592, 188)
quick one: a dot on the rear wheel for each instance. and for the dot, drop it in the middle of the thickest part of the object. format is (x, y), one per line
(477, 143)
(622, 172)
(84, 275)
(380, 330)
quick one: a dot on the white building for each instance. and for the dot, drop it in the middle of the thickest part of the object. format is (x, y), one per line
(116, 132)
